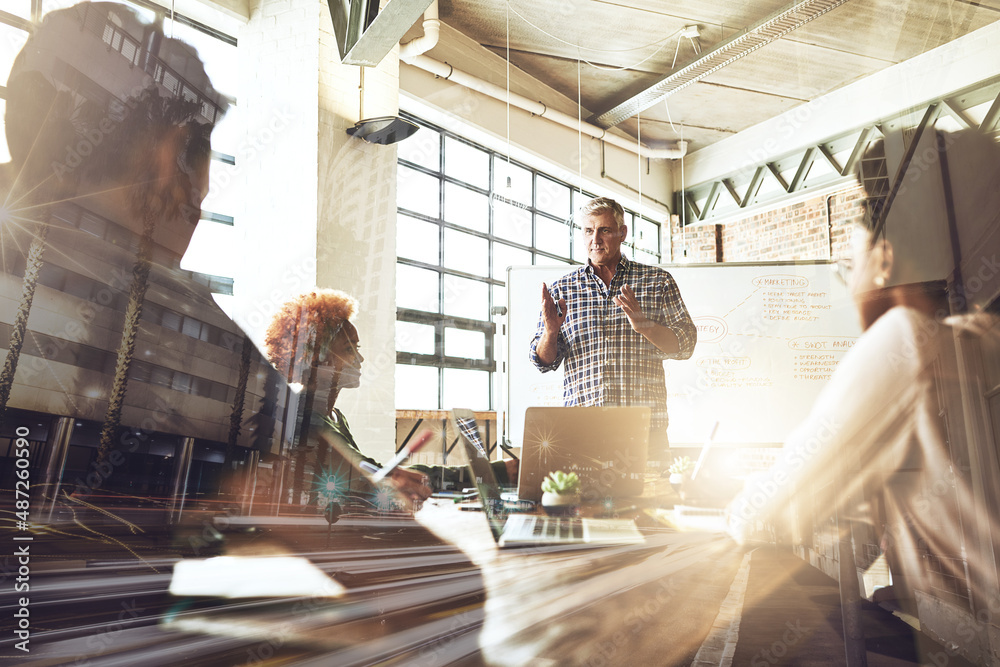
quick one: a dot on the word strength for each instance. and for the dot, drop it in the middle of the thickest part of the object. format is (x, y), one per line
(22, 551)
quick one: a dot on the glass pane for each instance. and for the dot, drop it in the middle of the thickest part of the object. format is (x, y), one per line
(579, 246)
(224, 196)
(417, 192)
(221, 62)
(11, 41)
(203, 253)
(415, 338)
(423, 148)
(579, 199)
(552, 236)
(145, 13)
(417, 239)
(416, 387)
(229, 132)
(170, 320)
(499, 299)
(191, 327)
(466, 298)
(511, 222)
(505, 256)
(519, 188)
(181, 382)
(466, 163)
(553, 198)
(645, 235)
(20, 8)
(416, 288)
(465, 207)
(464, 343)
(161, 376)
(93, 225)
(466, 253)
(644, 257)
(466, 389)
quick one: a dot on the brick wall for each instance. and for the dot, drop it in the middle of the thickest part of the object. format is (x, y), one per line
(817, 228)
(696, 245)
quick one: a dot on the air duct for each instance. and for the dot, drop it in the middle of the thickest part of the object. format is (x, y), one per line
(449, 73)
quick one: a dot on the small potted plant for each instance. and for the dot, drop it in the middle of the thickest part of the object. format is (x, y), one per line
(561, 493)
(679, 470)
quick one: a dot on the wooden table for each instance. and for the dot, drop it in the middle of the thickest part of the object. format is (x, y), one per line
(649, 604)
(428, 590)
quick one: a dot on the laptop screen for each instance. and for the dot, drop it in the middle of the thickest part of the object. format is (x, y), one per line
(606, 446)
(481, 470)
(469, 429)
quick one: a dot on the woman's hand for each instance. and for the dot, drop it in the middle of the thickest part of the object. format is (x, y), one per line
(412, 484)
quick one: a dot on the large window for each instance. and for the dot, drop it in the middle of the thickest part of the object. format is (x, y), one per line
(465, 214)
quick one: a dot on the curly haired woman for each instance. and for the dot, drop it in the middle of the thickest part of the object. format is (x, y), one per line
(312, 341)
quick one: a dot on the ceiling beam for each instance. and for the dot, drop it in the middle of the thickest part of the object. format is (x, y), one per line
(919, 117)
(949, 108)
(859, 148)
(992, 116)
(753, 188)
(825, 152)
(803, 170)
(771, 28)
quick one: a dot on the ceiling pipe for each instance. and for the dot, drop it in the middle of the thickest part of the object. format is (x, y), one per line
(411, 52)
(449, 73)
(427, 41)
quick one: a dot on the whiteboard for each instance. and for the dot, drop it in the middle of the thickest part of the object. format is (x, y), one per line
(769, 337)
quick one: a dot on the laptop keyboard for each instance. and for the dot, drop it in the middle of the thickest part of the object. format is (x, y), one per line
(557, 528)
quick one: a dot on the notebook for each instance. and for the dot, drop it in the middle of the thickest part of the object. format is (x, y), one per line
(606, 446)
(518, 529)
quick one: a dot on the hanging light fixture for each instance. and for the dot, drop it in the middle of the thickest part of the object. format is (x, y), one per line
(383, 130)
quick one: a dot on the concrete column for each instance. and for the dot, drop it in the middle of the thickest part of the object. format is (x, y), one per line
(182, 466)
(278, 469)
(250, 482)
(55, 462)
(320, 205)
(356, 229)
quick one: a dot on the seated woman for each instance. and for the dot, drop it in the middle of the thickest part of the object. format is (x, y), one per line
(892, 442)
(312, 342)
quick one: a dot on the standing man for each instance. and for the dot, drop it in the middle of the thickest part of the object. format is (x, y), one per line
(613, 322)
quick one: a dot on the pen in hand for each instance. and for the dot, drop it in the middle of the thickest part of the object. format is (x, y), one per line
(401, 456)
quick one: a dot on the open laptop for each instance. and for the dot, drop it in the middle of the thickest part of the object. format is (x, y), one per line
(606, 446)
(518, 529)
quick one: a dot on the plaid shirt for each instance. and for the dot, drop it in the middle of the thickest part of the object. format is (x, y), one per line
(607, 362)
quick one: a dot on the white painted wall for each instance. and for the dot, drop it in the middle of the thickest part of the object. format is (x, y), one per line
(356, 230)
(319, 206)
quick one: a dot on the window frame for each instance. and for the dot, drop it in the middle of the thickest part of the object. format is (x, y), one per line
(496, 276)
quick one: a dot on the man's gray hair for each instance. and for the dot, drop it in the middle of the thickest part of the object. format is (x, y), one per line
(602, 205)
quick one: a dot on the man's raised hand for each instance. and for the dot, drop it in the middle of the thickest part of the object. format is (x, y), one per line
(627, 301)
(552, 314)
